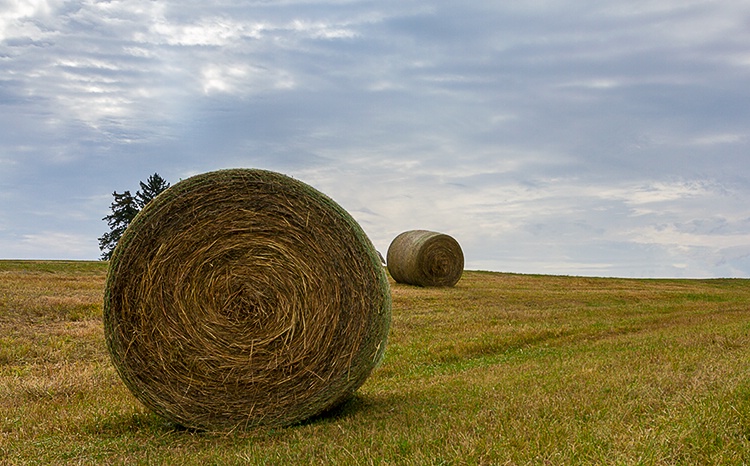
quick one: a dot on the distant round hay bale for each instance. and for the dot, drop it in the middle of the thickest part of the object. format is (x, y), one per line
(243, 298)
(425, 258)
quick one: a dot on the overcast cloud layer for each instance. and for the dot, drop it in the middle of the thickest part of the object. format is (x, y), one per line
(605, 138)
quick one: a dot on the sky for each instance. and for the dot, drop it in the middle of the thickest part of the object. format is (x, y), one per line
(593, 138)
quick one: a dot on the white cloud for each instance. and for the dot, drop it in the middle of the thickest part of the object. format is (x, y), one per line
(719, 139)
(670, 235)
(50, 245)
(660, 191)
(215, 32)
(321, 30)
(243, 79)
(16, 17)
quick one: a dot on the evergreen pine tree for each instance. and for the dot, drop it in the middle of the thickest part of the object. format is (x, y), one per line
(154, 185)
(124, 209)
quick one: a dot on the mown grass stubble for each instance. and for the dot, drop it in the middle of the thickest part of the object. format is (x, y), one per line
(501, 369)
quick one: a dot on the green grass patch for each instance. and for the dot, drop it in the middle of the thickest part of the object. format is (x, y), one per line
(501, 369)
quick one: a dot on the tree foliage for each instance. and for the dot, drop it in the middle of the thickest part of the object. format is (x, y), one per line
(154, 185)
(125, 207)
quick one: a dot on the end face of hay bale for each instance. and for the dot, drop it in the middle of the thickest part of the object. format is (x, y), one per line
(425, 258)
(241, 298)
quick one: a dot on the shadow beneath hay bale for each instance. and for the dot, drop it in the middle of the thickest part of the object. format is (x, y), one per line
(120, 424)
(356, 404)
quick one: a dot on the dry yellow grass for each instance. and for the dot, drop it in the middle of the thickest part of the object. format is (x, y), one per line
(501, 369)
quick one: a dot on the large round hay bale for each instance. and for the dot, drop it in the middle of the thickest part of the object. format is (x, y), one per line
(425, 258)
(242, 298)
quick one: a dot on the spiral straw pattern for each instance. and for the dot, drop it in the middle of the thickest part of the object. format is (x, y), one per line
(241, 298)
(425, 258)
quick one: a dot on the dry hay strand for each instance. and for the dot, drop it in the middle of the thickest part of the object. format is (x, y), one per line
(243, 298)
(425, 258)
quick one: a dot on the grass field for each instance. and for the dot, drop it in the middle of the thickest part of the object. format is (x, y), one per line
(501, 369)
